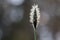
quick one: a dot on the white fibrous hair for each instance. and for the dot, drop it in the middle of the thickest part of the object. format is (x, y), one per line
(38, 15)
(35, 7)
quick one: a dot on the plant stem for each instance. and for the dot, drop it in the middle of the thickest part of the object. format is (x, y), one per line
(34, 34)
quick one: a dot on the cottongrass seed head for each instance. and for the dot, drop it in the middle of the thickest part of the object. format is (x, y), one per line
(34, 7)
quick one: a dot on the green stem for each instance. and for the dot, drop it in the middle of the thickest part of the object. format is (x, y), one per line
(34, 34)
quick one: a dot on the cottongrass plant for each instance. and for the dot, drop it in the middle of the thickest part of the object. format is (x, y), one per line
(34, 7)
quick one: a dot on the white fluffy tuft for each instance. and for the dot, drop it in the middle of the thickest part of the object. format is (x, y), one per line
(35, 7)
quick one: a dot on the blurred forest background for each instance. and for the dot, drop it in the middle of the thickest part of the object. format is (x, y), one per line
(14, 29)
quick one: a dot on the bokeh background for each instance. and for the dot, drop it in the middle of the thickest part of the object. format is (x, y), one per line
(14, 21)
